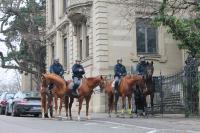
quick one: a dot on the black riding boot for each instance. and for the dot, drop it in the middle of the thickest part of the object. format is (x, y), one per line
(74, 93)
(116, 88)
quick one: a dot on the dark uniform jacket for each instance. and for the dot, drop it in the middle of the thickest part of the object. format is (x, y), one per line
(57, 68)
(120, 70)
(76, 72)
(141, 67)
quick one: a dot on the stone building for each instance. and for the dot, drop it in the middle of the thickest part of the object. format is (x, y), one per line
(96, 32)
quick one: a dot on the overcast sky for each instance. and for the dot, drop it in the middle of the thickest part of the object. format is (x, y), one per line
(7, 76)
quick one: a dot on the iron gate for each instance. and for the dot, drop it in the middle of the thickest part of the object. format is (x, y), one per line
(178, 93)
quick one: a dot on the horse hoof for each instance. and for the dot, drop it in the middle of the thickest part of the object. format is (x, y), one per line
(79, 118)
(70, 118)
(117, 116)
(88, 117)
(109, 115)
(46, 116)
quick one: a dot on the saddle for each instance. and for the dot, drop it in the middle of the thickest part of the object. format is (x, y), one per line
(113, 85)
(72, 84)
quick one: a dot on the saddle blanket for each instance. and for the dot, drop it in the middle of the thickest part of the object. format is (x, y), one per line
(113, 83)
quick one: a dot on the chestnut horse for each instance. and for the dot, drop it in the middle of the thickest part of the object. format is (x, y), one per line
(126, 89)
(62, 88)
(45, 81)
(107, 85)
(85, 92)
(62, 97)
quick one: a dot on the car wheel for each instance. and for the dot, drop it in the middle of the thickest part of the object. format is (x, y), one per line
(36, 115)
(1, 111)
(6, 111)
(14, 113)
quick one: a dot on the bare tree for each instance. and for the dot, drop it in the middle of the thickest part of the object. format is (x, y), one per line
(23, 25)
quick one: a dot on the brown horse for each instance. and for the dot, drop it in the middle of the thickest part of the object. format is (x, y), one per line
(62, 98)
(126, 89)
(61, 89)
(107, 85)
(149, 83)
(85, 92)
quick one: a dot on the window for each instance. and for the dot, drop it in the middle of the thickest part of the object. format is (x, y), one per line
(52, 51)
(83, 41)
(80, 49)
(52, 11)
(65, 4)
(146, 37)
(87, 46)
(65, 52)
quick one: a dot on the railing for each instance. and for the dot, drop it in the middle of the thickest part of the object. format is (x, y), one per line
(179, 93)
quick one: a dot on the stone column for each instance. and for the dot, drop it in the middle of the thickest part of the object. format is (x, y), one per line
(100, 48)
(48, 12)
(59, 47)
(48, 55)
(84, 34)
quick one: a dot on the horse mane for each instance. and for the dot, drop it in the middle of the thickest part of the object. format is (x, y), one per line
(54, 77)
(130, 78)
(94, 79)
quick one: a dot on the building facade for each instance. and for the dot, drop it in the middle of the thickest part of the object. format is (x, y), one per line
(96, 32)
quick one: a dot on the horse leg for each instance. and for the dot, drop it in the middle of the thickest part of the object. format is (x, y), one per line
(80, 106)
(152, 104)
(70, 107)
(56, 105)
(66, 98)
(87, 106)
(145, 106)
(50, 108)
(123, 105)
(116, 100)
(43, 102)
(110, 104)
(60, 107)
(129, 106)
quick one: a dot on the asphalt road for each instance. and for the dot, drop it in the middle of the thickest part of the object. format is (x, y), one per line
(98, 124)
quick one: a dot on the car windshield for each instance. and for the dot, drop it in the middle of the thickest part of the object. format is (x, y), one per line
(31, 94)
(9, 95)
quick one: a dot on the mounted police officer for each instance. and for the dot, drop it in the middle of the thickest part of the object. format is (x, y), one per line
(141, 66)
(78, 72)
(120, 70)
(56, 68)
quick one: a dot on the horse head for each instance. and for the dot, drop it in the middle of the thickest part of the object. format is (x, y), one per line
(102, 83)
(44, 81)
(149, 70)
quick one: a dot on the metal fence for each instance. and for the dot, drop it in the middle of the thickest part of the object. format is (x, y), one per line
(178, 93)
(169, 94)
